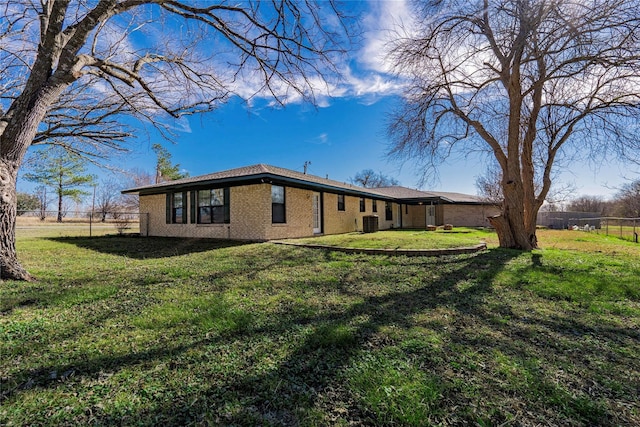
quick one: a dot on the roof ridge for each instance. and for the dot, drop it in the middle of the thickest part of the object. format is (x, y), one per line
(263, 167)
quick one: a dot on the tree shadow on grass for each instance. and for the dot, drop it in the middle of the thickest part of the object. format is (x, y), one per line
(315, 378)
(148, 247)
(480, 339)
(323, 352)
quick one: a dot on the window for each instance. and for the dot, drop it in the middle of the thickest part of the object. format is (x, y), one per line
(176, 212)
(362, 205)
(388, 212)
(278, 208)
(340, 202)
(213, 206)
(374, 205)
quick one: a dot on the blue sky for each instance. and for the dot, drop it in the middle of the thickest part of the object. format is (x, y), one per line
(344, 134)
(343, 137)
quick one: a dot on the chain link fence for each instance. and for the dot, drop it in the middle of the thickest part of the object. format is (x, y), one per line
(625, 228)
(76, 223)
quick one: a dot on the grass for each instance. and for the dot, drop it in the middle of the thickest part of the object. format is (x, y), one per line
(153, 331)
(32, 227)
(405, 239)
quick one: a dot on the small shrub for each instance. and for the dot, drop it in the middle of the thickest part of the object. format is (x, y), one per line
(122, 223)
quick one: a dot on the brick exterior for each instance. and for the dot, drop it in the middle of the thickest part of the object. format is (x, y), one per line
(299, 215)
(416, 216)
(349, 220)
(468, 215)
(250, 215)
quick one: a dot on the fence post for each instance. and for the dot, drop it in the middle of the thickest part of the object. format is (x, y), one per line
(90, 223)
(620, 223)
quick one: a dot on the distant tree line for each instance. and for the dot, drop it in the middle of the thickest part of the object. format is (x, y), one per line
(625, 203)
(368, 178)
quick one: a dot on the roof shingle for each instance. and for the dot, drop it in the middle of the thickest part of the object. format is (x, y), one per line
(262, 170)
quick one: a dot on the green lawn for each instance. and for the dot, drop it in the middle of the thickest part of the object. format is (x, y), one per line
(403, 239)
(152, 331)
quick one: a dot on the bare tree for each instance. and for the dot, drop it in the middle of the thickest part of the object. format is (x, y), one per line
(533, 83)
(589, 204)
(489, 187)
(108, 198)
(628, 200)
(41, 193)
(134, 178)
(70, 71)
(369, 178)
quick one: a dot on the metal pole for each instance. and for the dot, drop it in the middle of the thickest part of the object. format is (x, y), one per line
(90, 223)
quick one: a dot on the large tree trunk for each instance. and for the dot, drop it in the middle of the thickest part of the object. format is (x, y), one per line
(514, 230)
(513, 235)
(16, 135)
(10, 268)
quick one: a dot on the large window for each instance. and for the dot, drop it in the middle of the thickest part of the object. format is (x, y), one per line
(374, 205)
(176, 211)
(278, 205)
(340, 202)
(388, 211)
(213, 206)
(362, 205)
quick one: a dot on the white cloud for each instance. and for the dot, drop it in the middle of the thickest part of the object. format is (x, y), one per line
(367, 78)
(372, 83)
(322, 139)
(381, 25)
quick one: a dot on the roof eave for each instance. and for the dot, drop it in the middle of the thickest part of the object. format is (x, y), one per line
(269, 178)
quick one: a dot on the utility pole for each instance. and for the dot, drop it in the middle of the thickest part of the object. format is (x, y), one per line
(306, 165)
(93, 201)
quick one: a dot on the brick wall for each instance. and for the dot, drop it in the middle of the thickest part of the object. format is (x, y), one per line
(468, 215)
(416, 218)
(249, 211)
(350, 220)
(155, 206)
(335, 221)
(250, 215)
(298, 214)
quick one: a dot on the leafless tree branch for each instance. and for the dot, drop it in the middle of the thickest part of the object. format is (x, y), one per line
(533, 81)
(75, 73)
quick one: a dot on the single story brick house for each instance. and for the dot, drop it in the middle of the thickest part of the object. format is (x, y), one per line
(263, 202)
